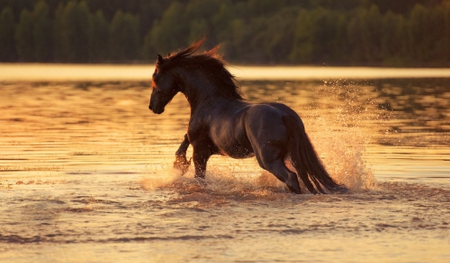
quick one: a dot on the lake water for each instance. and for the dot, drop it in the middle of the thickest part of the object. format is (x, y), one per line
(86, 172)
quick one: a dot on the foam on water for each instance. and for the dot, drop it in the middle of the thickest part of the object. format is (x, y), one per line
(220, 182)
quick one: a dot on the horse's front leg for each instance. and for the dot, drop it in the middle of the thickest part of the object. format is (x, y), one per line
(202, 152)
(181, 163)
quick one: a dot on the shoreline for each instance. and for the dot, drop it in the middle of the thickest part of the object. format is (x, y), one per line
(110, 72)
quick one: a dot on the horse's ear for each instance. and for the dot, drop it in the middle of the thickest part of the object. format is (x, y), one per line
(160, 59)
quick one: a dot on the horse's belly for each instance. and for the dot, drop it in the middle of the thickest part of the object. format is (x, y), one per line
(237, 152)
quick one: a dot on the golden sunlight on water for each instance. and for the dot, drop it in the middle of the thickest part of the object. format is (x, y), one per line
(74, 72)
(86, 176)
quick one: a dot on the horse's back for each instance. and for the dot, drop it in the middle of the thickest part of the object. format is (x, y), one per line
(272, 115)
(264, 115)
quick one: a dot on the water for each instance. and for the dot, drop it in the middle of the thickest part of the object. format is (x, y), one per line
(86, 176)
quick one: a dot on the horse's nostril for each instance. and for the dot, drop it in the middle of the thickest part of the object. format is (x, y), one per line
(150, 107)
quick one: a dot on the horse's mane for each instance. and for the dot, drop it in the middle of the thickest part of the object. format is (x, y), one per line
(210, 62)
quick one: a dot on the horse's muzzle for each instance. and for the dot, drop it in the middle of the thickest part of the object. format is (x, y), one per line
(155, 110)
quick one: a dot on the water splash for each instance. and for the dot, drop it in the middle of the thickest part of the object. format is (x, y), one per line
(237, 180)
(343, 159)
(340, 137)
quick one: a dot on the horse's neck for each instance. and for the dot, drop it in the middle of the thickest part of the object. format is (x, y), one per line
(206, 102)
(201, 94)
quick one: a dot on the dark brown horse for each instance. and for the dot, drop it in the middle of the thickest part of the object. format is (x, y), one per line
(222, 122)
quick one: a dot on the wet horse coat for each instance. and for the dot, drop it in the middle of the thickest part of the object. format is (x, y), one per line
(222, 122)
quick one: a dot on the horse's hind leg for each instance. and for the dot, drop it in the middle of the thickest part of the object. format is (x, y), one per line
(278, 168)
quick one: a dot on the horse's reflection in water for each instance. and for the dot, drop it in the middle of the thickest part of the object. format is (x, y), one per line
(222, 122)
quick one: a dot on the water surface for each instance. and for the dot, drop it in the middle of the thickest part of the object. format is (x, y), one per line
(86, 176)
(142, 72)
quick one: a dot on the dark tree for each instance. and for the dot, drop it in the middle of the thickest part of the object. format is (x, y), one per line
(7, 43)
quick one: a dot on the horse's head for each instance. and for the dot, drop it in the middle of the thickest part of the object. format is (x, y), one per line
(164, 87)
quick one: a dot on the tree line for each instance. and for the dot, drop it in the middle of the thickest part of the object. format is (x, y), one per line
(320, 32)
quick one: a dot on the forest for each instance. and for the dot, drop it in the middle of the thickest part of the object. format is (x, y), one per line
(402, 33)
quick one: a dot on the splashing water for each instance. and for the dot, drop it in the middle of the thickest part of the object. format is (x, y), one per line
(339, 139)
(241, 180)
(343, 157)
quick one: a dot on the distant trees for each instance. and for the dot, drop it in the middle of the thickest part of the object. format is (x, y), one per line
(24, 36)
(364, 34)
(7, 43)
(42, 32)
(98, 38)
(321, 35)
(124, 38)
(394, 39)
(168, 32)
(347, 32)
(33, 34)
(72, 32)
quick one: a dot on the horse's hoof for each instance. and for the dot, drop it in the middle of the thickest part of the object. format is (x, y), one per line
(182, 164)
(201, 180)
(295, 190)
(341, 189)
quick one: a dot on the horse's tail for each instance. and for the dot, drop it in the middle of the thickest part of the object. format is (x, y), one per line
(306, 161)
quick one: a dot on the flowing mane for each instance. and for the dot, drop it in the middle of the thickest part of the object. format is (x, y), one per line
(209, 62)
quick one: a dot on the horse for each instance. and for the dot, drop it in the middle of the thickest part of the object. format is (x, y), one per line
(223, 122)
